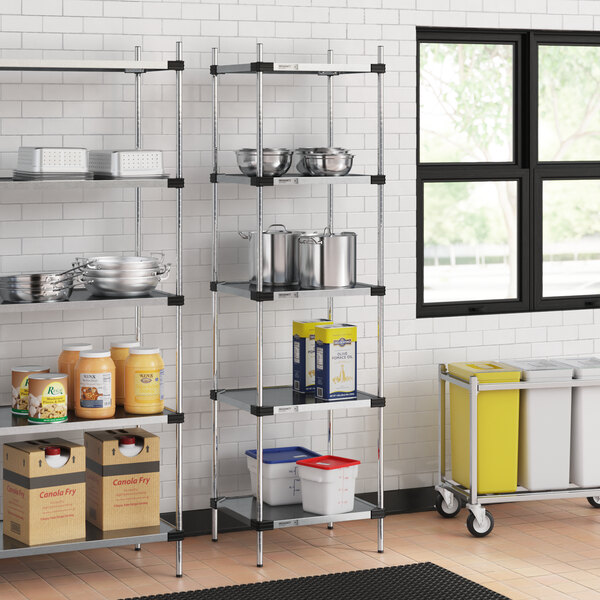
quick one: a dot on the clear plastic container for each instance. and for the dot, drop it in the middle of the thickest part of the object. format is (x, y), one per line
(119, 352)
(144, 381)
(66, 364)
(95, 386)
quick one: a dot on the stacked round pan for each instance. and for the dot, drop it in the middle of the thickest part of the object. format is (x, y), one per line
(123, 276)
(37, 287)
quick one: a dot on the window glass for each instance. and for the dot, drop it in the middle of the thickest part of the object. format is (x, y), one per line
(466, 102)
(470, 241)
(571, 242)
(569, 103)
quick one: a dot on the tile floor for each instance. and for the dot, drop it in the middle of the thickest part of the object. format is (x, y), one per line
(545, 550)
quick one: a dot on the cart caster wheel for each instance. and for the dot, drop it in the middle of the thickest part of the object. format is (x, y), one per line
(442, 507)
(594, 501)
(477, 530)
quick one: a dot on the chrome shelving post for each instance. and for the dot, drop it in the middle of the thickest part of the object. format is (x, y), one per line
(215, 301)
(138, 191)
(138, 195)
(259, 306)
(380, 299)
(178, 321)
(330, 225)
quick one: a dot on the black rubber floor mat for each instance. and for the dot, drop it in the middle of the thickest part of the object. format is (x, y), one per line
(421, 581)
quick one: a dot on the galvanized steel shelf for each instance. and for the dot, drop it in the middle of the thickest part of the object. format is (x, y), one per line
(283, 399)
(244, 508)
(248, 290)
(12, 425)
(260, 400)
(453, 495)
(291, 68)
(292, 179)
(8, 183)
(85, 65)
(11, 548)
(81, 299)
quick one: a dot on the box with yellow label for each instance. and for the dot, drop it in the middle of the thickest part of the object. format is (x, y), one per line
(43, 504)
(335, 361)
(123, 492)
(304, 354)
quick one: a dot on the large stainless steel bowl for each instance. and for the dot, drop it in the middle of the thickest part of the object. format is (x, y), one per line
(276, 161)
(302, 153)
(120, 287)
(123, 263)
(163, 270)
(328, 165)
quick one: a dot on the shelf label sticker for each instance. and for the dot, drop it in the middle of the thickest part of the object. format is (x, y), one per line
(286, 181)
(288, 523)
(287, 67)
(286, 409)
(287, 294)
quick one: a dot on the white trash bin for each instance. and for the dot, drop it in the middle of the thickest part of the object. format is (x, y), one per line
(585, 424)
(328, 484)
(281, 483)
(544, 426)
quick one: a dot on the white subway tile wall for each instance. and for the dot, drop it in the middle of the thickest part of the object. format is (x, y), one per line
(46, 230)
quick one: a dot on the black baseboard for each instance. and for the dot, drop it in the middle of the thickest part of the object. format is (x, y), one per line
(199, 522)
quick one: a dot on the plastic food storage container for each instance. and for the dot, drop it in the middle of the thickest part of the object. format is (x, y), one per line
(119, 352)
(281, 483)
(544, 426)
(585, 423)
(144, 381)
(66, 364)
(95, 386)
(328, 484)
(497, 428)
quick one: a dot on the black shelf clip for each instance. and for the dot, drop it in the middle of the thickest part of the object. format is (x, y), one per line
(175, 418)
(378, 179)
(176, 301)
(262, 67)
(214, 286)
(214, 395)
(213, 178)
(214, 502)
(177, 535)
(175, 65)
(378, 513)
(261, 296)
(378, 402)
(261, 525)
(377, 67)
(176, 182)
(378, 290)
(263, 181)
(261, 411)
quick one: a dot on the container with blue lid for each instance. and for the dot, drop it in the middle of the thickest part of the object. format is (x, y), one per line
(281, 483)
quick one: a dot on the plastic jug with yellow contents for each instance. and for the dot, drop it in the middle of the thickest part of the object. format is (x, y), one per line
(144, 381)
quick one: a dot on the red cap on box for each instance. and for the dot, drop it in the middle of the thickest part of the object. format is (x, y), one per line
(328, 463)
(52, 450)
(126, 440)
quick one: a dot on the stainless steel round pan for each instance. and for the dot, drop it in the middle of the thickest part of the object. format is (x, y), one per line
(120, 287)
(124, 263)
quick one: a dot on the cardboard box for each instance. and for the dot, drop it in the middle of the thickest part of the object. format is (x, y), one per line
(304, 355)
(335, 361)
(43, 504)
(123, 492)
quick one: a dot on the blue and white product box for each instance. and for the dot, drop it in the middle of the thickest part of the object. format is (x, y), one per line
(304, 355)
(335, 361)
(281, 482)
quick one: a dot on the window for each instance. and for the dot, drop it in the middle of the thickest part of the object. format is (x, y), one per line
(508, 173)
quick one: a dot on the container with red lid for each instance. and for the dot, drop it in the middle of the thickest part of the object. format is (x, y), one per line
(328, 484)
(56, 456)
(130, 446)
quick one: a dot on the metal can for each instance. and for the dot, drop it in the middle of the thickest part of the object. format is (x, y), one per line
(20, 387)
(48, 397)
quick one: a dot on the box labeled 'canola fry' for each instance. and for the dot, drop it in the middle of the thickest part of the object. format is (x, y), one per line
(335, 361)
(123, 489)
(44, 491)
(304, 354)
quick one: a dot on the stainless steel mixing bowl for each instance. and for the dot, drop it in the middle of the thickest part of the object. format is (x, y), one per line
(302, 153)
(276, 161)
(320, 165)
(120, 287)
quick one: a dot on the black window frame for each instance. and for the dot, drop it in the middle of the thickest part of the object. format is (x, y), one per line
(525, 168)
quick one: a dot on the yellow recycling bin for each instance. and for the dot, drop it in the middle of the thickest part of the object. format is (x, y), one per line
(497, 428)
